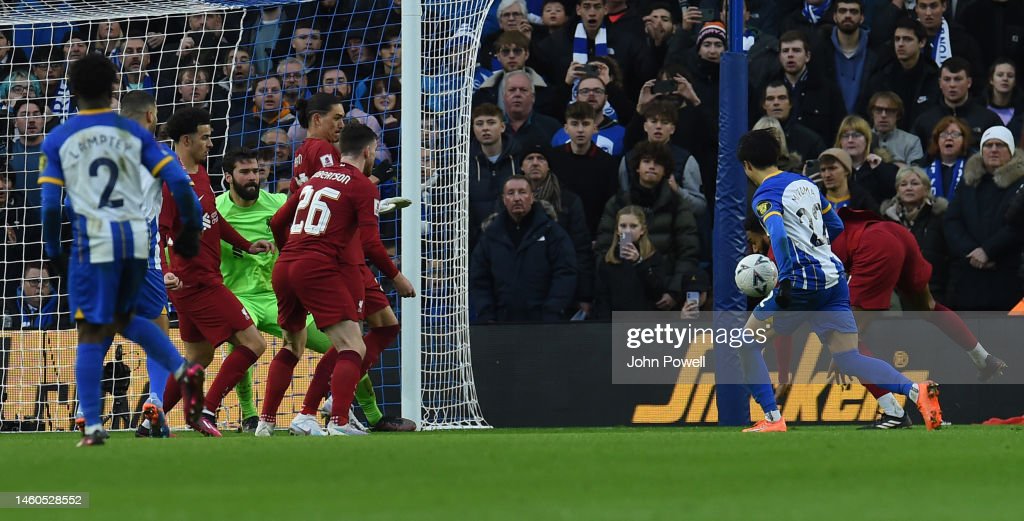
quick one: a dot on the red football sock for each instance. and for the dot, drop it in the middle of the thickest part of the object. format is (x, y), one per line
(231, 372)
(875, 390)
(172, 393)
(377, 340)
(279, 378)
(321, 382)
(950, 323)
(783, 355)
(343, 384)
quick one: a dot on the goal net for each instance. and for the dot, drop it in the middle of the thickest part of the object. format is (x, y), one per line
(247, 63)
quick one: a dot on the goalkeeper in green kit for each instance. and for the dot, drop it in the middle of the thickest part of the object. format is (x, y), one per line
(249, 209)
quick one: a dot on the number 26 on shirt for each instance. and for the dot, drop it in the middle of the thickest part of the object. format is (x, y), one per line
(312, 213)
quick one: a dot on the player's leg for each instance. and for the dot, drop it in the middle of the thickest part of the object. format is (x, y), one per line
(152, 306)
(384, 330)
(249, 346)
(916, 296)
(279, 375)
(835, 325)
(347, 338)
(262, 313)
(92, 304)
(755, 371)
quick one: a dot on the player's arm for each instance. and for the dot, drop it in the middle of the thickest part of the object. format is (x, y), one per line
(51, 181)
(373, 248)
(231, 236)
(282, 219)
(770, 214)
(833, 224)
(163, 164)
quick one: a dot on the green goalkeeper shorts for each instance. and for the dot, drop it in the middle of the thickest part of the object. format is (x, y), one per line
(263, 311)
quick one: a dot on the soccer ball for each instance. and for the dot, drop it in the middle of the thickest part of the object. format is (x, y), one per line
(756, 275)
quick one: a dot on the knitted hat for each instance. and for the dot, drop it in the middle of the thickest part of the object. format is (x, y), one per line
(839, 155)
(544, 152)
(714, 29)
(1002, 134)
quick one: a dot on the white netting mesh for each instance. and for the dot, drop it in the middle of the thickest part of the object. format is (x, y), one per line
(221, 56)
(449, 46)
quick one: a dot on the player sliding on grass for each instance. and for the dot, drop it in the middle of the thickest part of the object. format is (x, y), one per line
(315, 228)
(96, 157)
(800, 222)
(322, 114)
(208, 313)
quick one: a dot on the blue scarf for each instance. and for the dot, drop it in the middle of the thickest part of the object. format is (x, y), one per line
(813, 13)
(42, 318)
(935, 174)
(581, 46)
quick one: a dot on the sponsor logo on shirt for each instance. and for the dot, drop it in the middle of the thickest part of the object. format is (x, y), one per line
(326, 160)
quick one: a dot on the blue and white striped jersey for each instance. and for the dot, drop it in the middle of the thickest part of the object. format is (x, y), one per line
(795, 201)
(107, 164)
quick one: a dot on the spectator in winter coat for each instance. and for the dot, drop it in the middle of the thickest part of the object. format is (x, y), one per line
(524, 268)
(492, 160)
(670, 225)
(986, 250)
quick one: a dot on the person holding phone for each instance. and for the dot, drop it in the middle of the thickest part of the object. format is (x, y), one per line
(631, 276)
(670, 223)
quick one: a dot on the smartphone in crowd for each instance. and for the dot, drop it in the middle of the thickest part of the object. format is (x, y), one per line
(664, 87)
(625, 238)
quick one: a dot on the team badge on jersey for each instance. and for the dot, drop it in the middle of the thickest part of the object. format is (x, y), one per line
(42, 162)
(763, 208)
(298, 160)
(326, 160)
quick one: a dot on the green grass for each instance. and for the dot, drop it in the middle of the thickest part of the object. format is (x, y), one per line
(829, 473)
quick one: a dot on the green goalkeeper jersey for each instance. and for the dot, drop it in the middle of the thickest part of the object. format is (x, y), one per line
(249, 274)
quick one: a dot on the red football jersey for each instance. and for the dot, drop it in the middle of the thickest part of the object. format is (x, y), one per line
(325, 216)
(203, 269)
(313, 155)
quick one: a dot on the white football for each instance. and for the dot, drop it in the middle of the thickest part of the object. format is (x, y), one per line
(756, 275)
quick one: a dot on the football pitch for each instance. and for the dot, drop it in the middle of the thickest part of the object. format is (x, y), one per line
(820, 473)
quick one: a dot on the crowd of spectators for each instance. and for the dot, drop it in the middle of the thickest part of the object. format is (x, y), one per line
(602, 107)
(908, 109)
(247, 68)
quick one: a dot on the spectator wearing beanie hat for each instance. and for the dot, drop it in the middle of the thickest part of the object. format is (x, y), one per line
(986, 250)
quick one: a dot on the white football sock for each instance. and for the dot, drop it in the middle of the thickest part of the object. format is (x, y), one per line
(90, 429)
(978, 356)
(890, 406)
(146, 424)
(773, 416)
(915, 393)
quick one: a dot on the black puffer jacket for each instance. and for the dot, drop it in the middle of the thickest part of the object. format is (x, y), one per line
(670, 226)
(533, 281)
(977, 218)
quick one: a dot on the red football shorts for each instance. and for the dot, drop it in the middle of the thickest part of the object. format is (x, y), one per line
(376, 300)
(887, 259)
(323, 288)
(210, 313)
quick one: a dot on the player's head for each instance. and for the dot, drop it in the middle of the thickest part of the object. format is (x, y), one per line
(190, 130)
(242, 173)
(323, 115)
(517, 196)
(140, 106)
(91, 79)
(359, 141)
(757, 239)
(758, 151)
